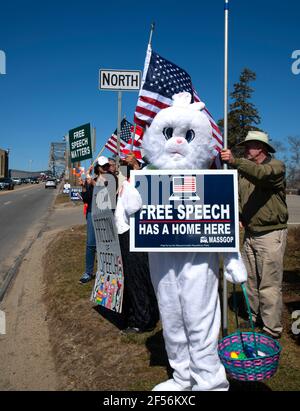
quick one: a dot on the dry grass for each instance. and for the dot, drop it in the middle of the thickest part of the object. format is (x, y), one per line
(91, 354)
(62, 199)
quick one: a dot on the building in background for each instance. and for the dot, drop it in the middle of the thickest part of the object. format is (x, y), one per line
(4, 163)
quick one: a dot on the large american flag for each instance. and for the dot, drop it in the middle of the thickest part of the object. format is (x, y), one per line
(161, 80)
(127, 133)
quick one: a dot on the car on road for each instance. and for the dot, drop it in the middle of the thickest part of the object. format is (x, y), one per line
(50, 182)
(6, 183)
(17, 180)
(34, 180)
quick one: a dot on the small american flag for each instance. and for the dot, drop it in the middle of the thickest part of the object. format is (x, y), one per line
(184, 184)
(134, 148)
(161, 80)
(126, 135)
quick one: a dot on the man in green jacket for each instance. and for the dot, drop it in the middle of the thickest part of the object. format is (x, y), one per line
(264, 215)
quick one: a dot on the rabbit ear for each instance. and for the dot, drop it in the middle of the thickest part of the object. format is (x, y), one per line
(182, 99)
(197, 106)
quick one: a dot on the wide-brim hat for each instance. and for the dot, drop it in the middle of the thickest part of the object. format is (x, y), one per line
(258, 136)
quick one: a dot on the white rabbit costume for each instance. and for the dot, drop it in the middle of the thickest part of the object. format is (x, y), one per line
(186, 283)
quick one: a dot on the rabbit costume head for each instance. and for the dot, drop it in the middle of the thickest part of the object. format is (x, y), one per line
(180, 136)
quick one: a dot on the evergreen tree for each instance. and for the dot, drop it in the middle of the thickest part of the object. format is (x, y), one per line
(243, 116)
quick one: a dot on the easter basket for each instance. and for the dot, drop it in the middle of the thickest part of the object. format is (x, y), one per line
(249, 356)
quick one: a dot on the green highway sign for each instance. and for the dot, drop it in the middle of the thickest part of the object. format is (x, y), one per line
(80, 143)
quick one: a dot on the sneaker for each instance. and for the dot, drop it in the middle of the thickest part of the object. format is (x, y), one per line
(131, 330)
(86, 278)
(171, 385)
(268, 334)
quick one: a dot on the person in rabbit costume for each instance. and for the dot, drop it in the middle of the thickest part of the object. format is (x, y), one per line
(186, 283)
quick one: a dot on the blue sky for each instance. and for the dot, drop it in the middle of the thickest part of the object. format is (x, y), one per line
(55, 49)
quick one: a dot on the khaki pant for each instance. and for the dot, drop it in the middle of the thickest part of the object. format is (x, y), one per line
(263, 257)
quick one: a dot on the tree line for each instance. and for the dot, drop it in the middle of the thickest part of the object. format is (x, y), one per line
(244, 116)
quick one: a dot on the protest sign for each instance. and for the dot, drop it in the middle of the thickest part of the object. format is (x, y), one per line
(186, 210)
(108, 288)
(80, 143)
(75, 193)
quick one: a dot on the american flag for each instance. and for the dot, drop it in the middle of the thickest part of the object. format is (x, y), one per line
(161, 80)
(134, 144)
(185, 184)
(126, 134)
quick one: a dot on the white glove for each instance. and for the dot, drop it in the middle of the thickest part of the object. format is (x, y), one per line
(234, 268)
(131, 198)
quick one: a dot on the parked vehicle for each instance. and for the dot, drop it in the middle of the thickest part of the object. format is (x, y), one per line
(34, 180)
(50, 182)
(17, 180)
(6, 183)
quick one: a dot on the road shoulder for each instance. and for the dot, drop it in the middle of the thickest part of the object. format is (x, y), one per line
(25, 351)
(26, 355)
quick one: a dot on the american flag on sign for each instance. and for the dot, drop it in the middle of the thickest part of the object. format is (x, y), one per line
(126, 134)
(184, 184)
(161, 80)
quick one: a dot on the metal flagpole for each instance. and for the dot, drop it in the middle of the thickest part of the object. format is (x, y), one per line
(225, 292)
(119, 127)
(151, 33)
(149, 44)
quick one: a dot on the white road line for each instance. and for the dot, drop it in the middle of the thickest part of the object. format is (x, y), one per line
(7, 202)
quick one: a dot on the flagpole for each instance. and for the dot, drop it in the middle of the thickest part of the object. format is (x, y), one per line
(151, 33)
(99, 154)
(119, 127)
(149, 45)
(225, 291)
(132, 137)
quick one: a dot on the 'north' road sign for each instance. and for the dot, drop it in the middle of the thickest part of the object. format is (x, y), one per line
(118, 80)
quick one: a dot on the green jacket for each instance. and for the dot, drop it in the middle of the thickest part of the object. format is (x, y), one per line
(262, 199)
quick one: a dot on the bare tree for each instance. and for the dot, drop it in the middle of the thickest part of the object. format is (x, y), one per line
(294, 161)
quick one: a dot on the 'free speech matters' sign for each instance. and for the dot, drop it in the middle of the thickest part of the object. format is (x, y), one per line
(186, 210)
(80, 143)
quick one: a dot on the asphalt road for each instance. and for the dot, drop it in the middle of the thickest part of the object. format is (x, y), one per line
(23, 212)
(293, 202)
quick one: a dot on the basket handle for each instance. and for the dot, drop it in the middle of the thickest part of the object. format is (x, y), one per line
(243, 287)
